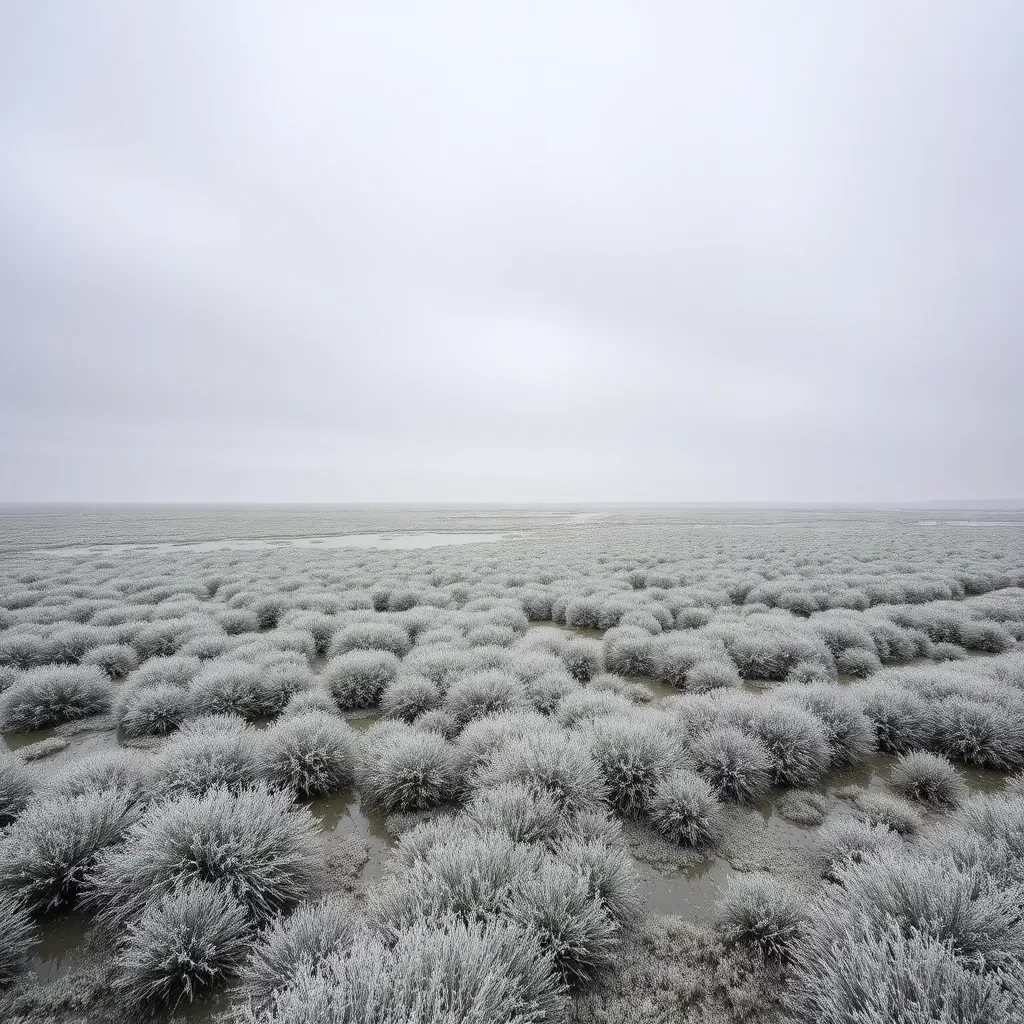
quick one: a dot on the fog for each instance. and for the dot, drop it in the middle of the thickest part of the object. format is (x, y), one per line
(561, 252)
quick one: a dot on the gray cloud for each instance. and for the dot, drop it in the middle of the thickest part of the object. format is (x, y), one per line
(488, 252)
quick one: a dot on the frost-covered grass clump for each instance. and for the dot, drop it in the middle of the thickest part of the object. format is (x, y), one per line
(371, 636)
(297, 945)
(252, 690)
(685, 810)
(433, 974)
(795, 741)
(152, 710)
(117, 660)
(633, 757)
(928, 779)
(762, 912)
(311, 754)
(736, 766)
(53, 694)
(843, 840)
(50, 850)
(16, 787)
(107, 769)
(515, 810)
(902, 720)
(480, 694)
(17, 935)
(408, 769)
(254, 845)
(980, 733)
(409, 696)
(895, 813)
(358, 678)
(187, 941)
(583, 658)
(556, 764)
(210, 752)
(849, 732)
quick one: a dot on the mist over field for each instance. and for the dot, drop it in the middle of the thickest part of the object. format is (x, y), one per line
(451, 253)
(511, 514)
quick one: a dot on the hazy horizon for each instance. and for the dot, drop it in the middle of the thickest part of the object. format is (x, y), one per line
(464, 254)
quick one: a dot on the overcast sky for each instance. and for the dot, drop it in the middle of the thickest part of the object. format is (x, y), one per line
(483, 251)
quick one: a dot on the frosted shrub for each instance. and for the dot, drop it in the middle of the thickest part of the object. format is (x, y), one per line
(674, 659)
(795, 740)
(235, 621)
(408, 770)
(433, 974)
(168, 637)
(759, 911)
(70, 643)
(241, 688)
(46, 855)
(583, 706)
(557, 905)
(770, 653)
(358, 678)
(693, 618)
(51, 695)
(843, 840)
(962, 907)
(549, 763)
(882, 809)
(484, 693)
(17, 935)
(254, 845)
(316, 698)
(849, 732)
(16, 786)
(440, 722)
(712, 675)
(858, 662)
(212, 752)
(153, 710)
(471, 877)
(946, 652)
(902, 720)
(516, 811)
(882, 974)
(269, 609)
(491, 634)
(928, 779)
(186, 942)
(610, 876)
(310, 754)
(583, 658)
(545, 693)
(685, 810)
(536, 605)
(117, 660)
(583, 613)
(173, 670)
(303, 941)
(980, 734)
(478, 742)
(107, 769)
(408, 696)
(630, 651)
(632, 757)
(23, 650)
(441, 663)
(371, 636)
(736, 766)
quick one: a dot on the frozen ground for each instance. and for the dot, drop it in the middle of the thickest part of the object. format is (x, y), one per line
(558, 679)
